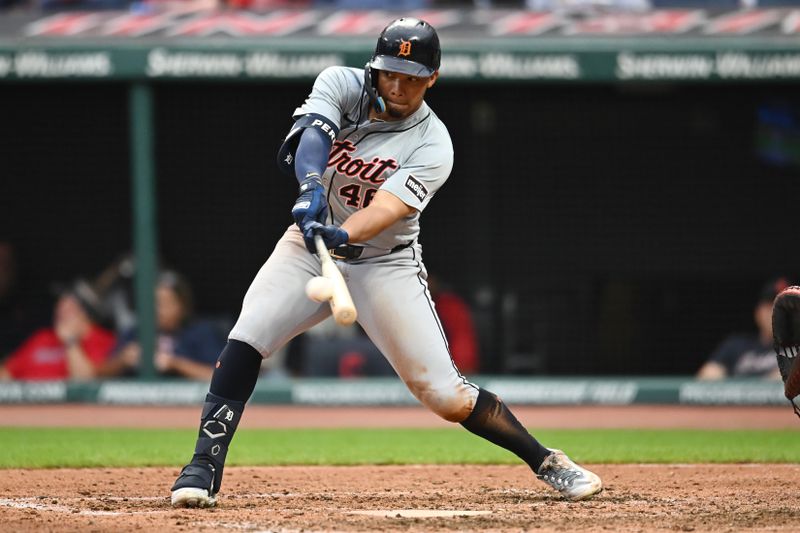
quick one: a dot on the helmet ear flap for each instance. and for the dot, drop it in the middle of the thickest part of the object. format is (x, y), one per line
(371, 86)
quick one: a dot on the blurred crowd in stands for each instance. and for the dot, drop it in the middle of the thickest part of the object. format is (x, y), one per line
(87, 329)
(538, 5)
(742, 354)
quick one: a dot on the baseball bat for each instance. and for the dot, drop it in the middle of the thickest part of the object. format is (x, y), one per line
(342, 307)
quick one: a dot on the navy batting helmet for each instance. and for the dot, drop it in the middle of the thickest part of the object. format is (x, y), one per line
(408, 46)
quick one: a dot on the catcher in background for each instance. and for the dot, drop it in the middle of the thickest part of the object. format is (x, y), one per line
(748, 355)
(786, 336)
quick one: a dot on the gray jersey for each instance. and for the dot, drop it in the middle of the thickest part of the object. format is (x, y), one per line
(411, 158)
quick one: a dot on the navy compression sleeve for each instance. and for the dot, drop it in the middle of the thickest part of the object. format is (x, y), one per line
(312, 153)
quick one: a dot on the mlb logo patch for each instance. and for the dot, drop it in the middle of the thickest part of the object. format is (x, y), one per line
(417, 188)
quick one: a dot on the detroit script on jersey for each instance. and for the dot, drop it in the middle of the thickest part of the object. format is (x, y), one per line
(345, 163)
(410, 158)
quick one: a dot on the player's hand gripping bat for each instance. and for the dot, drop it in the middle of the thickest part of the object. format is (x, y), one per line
(333, 289)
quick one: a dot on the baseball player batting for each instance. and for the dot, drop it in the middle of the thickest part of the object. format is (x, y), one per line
(369, 155)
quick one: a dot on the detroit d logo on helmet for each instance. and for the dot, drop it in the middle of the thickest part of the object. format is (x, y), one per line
(405, 48)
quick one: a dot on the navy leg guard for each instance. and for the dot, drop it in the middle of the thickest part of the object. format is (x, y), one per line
(217, 425)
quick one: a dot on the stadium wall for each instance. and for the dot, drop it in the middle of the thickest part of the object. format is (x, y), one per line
(390, 392)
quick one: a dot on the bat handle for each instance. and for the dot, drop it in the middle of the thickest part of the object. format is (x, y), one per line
(322, 250)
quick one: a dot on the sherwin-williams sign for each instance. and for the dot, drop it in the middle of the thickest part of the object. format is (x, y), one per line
(162, 62)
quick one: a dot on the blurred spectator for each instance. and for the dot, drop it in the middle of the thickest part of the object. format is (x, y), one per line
(750, 355)
(459, 328)
(114, 285)
(185, 346)
(73, 348)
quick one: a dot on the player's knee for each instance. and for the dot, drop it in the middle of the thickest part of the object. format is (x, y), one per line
(453, 409)
(453, 405)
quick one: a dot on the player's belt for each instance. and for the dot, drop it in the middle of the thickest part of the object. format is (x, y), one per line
(349, 252)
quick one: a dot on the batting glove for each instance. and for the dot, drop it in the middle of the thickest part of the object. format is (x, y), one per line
(311, 204)
(332, 235)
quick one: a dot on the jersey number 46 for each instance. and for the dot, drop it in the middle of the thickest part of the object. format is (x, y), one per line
(352, 193)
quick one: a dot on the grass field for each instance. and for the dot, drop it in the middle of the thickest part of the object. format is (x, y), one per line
(91, 447)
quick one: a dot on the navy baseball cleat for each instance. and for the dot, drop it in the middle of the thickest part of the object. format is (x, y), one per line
(572, 481)
(194, 486)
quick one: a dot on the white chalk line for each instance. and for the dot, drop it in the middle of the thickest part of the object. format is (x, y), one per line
(30, 503)
(25, 503)
(419, 513)
(37, 504)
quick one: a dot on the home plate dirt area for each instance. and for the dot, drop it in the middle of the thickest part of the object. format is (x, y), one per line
(638, 498)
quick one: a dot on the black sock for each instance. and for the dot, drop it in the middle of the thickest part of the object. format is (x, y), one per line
(236, 372)
(491, 419)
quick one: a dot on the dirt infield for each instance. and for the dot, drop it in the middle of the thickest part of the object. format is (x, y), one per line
(638, 498)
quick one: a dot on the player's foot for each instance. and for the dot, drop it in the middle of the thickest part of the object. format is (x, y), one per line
(194, 486)
(193, 497)
(572, 481)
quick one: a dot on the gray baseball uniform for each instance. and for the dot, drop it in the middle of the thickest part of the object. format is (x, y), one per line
(411, 159)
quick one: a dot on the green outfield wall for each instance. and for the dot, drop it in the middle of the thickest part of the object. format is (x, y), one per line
(566, 391)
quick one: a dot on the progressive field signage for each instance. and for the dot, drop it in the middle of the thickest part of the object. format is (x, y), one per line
(162, 62)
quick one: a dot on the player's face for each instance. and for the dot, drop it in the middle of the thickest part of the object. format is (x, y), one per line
(402, 93)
